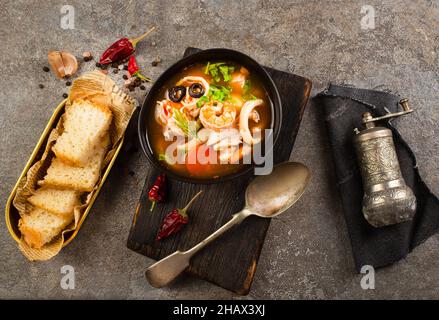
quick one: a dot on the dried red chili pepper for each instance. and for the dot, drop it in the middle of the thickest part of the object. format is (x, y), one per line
(157, 193)
(134, 70)
(121, 49)
(175, 220)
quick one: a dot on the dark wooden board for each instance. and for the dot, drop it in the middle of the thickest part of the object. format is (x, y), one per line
(231, 261)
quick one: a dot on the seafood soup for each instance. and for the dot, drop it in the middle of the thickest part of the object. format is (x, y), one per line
(212, 114)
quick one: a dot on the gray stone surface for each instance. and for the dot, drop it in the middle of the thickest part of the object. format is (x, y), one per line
(307, 252)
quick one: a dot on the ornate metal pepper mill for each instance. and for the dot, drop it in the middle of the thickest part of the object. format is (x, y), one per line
(387, 199)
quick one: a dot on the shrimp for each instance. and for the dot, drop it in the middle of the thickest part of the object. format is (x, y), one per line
(217, 115)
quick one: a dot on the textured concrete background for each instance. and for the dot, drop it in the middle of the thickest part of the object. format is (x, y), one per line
(307, 252)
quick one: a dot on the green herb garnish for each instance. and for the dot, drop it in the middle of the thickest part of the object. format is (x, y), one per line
(219, 93)
(189, 128)
(212, 69)
(226, 71)
(216, 70)
(216, 93)
(247, 87)
(201, 101)
(206, 71)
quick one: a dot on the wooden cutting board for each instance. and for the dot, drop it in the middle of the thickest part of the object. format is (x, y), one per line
(229, 262)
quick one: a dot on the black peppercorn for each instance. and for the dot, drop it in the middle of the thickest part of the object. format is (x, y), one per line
(68, 83)
(41, 86)
(125, 77)
(87, 56)
(46, 69)
(142, 87)
(65, 95)
(156, 62)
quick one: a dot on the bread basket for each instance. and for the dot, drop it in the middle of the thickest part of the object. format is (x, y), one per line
(11, 213)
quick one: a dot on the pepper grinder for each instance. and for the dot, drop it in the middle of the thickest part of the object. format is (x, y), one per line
(387, 199)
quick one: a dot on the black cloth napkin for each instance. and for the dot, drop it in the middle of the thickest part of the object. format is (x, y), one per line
(343, 107)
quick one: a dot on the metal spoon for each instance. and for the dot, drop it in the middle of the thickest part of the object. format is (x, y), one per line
(266, 197)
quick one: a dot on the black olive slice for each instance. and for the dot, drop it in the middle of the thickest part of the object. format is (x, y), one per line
(177, 93)
(196, 90)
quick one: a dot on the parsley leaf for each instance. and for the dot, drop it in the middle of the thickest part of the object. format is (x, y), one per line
(201, 101)
(219, 93)
(226, 71)
(216, 70)
(216, 93)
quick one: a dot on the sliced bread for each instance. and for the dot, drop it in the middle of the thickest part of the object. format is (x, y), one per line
(40, 227)
(59, 202)
(63, 176)
(85, 123)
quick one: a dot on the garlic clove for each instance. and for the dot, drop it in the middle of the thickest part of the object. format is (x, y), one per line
(56, 63)
(62, 63)
(70, 63)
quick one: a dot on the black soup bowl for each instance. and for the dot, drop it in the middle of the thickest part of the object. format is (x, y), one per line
(203, 57)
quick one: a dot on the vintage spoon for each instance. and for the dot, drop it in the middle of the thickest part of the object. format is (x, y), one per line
(266, 197)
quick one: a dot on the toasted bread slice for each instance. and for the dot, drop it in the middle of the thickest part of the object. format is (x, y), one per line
(40, 227)
(85, 123)
(59, 202)
(62, 176)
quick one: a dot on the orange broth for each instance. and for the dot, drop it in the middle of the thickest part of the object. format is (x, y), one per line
(197, 170)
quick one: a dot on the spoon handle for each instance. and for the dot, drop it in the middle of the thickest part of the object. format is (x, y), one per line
(237, 218)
